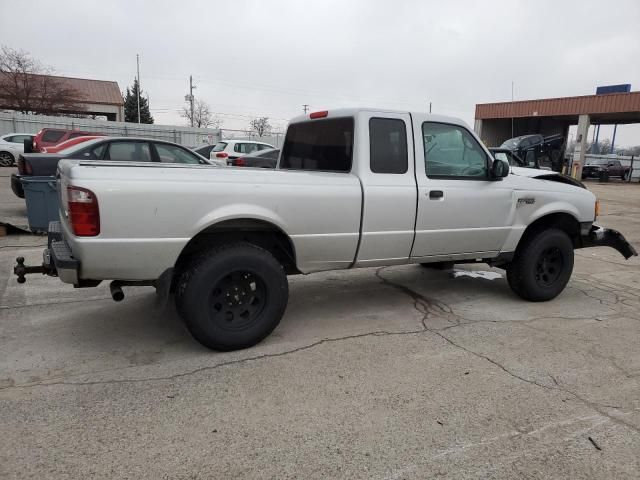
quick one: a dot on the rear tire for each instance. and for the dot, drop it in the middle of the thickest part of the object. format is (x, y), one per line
(542, 265)
(233, 296)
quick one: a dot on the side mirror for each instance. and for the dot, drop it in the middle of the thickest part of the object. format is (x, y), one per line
(499, 169)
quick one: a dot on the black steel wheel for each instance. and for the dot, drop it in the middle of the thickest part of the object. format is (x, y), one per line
(549, 267)
(232, 296)
(237, 300)
(542, 265)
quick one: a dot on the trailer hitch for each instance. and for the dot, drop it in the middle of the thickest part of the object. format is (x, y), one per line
(20, 270)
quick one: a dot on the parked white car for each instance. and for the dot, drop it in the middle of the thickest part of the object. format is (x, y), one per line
(12, 145)
(227, 150)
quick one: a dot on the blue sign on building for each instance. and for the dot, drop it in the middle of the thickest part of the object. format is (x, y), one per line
(623, 88)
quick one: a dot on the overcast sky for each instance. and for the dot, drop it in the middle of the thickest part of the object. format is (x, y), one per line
(268, 58)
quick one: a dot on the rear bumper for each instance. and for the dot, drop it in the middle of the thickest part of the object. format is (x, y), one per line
(607, 237)
(16, 185)
(60, 257)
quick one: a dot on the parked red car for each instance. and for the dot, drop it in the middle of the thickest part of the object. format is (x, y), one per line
(69, 143)
(48, 137)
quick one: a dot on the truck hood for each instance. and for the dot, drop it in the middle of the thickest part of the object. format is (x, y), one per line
(546, 175)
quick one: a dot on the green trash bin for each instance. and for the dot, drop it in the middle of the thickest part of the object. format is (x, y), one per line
(41, 195)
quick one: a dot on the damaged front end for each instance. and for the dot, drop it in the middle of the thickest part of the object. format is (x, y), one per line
(606, 237)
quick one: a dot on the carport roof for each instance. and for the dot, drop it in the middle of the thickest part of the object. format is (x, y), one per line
(611, 108)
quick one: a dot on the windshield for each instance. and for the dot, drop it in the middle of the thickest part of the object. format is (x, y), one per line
(219, 147)
(511, 143)
(79, 146)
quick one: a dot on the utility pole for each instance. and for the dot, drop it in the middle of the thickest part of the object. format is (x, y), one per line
(512, 109)
(429, 107)
(138, 65)
(305, 108)
(191, 87)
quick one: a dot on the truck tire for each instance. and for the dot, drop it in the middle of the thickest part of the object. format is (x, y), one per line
(542, 265)
(233, 296)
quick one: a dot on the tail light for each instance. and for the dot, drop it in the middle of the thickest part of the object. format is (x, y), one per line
(21, 165)
(84, 214)
(321, 114)
(240, 162)
(222, 155)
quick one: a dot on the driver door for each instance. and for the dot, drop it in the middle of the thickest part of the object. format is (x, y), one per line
(461, 212)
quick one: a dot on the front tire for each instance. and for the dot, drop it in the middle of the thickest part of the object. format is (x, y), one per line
(542, 265)
(233, 296)
(6, 159)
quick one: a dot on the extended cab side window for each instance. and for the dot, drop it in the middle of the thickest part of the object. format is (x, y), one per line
(450, 151)
(325, 145)
(388, 145)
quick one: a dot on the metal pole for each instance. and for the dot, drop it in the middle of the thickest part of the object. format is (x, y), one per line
(631, 169)
(512, 135)
(613, 141)
(429, 107)
(595, 145)
(305, 108)
(138, 67)
(191, 96)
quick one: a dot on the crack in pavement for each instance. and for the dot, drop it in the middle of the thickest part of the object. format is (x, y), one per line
(424, 305)
(379, 333)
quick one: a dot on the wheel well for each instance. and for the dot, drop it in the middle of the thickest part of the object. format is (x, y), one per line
(562, 221)
(258, 232)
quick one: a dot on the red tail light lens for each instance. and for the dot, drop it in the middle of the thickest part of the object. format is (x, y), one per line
(321, 114)
(21, 169)
(240, 162)
(222, 155)
(84, 214)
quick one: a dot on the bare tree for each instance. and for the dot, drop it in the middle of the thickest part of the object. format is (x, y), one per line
(260, 126)
(27, 86)
(202, 115)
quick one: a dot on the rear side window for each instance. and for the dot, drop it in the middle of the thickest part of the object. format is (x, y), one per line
(388, 145)
(319, 145)
(220, 146)
(52, 136)
(173, 154)
(129, 152)
(245, 147)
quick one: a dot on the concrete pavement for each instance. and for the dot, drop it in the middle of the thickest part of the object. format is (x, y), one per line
(393, 373)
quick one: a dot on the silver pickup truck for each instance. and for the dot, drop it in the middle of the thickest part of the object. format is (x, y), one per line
(353, 188)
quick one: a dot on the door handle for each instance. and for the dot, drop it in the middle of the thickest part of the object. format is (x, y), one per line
(436, 194)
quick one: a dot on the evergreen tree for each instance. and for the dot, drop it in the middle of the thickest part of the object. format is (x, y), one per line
(131, 106)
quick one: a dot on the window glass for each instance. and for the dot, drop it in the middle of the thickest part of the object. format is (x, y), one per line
(174, 154)
(52, 135)
(97, 153)
(245, 147)
(129, 151)
(21, 138)
(204, 151)
(388, 145)
(451, 151)
(319, 145)
(220, 146)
